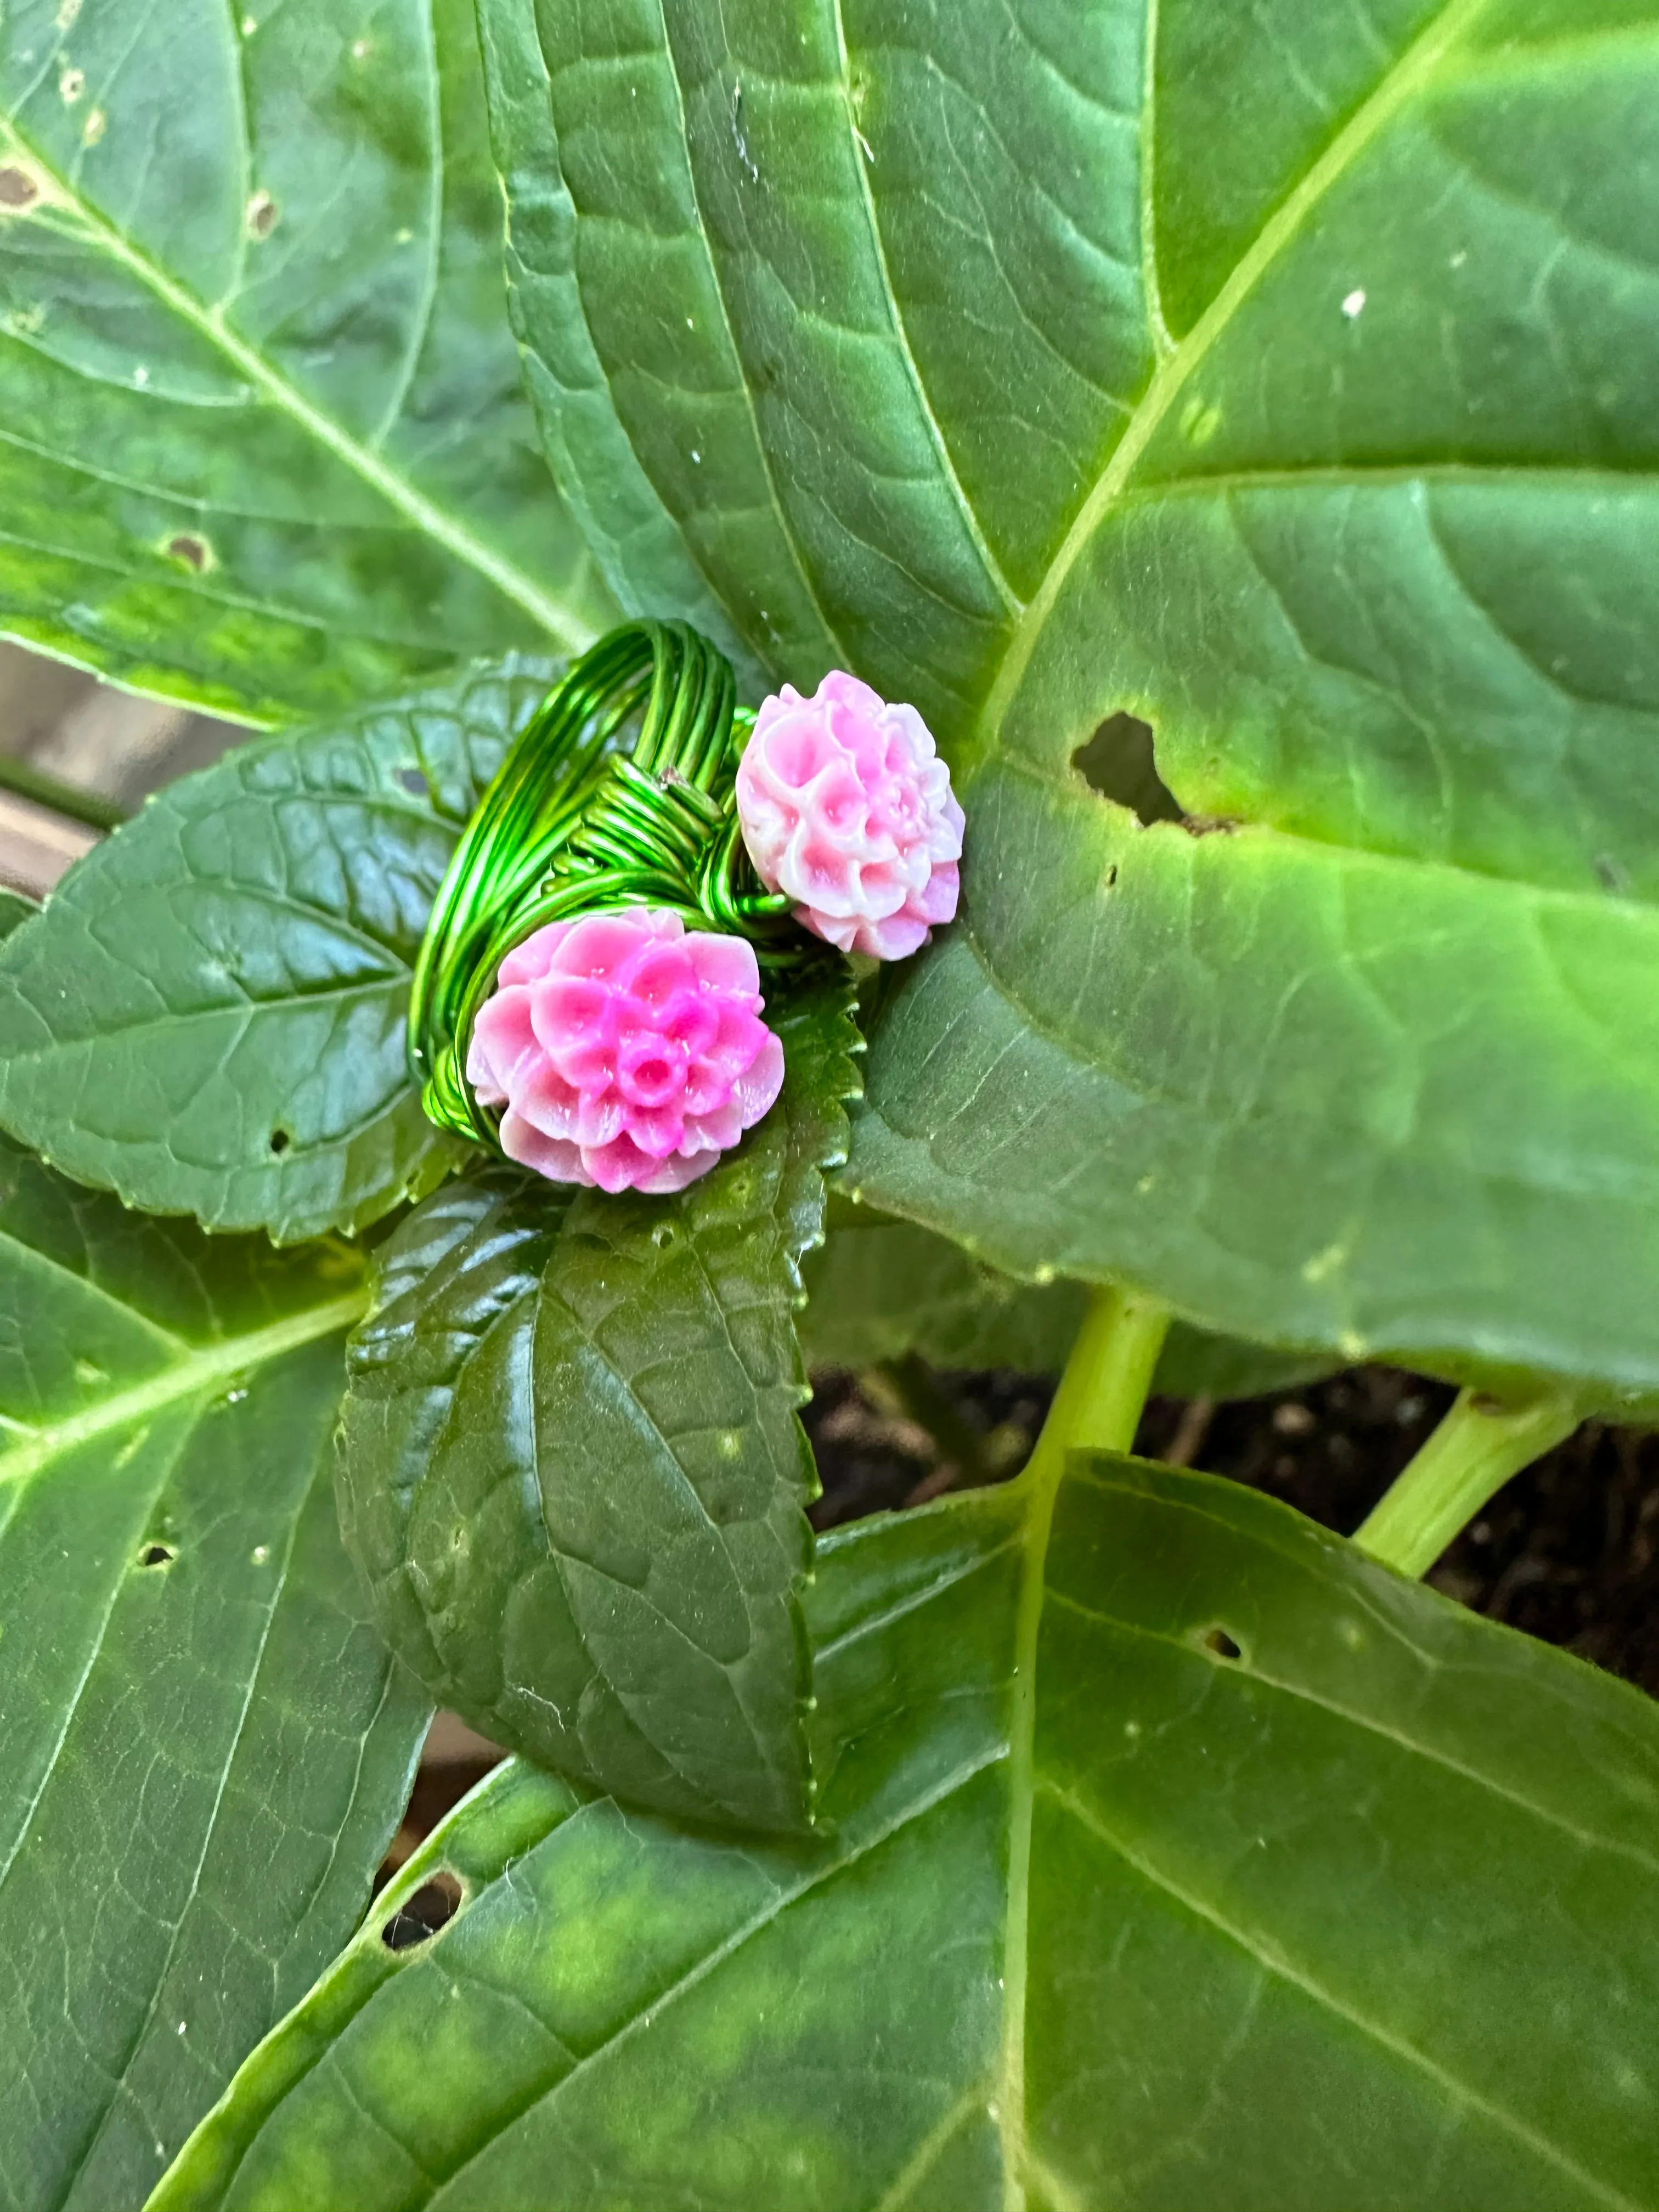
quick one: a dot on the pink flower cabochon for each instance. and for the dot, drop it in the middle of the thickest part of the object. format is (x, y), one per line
(847, 809)
(627, 1050)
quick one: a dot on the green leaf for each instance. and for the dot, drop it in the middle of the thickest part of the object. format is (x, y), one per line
(205, 1746)
(1018, 1971)
(1306, 1096)
(264, 443)
(572, 1473)
(638, 544)
(209, 1016)
(879, 1288)
(1279, 379)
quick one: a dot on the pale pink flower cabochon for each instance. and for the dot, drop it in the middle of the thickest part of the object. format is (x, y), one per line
(847, 809)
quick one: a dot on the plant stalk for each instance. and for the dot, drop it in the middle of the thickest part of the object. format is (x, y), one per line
(1471, 1455)
(1097, 1405)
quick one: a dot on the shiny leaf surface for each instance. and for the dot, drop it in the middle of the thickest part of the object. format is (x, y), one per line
(573, 1471)
(1276, 376)
(209, 1016)
(1309, 1096)
(264, 444)
(205, 1746)
(1017, 1971)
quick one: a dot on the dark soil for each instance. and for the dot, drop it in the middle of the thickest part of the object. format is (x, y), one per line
(1568, 1552)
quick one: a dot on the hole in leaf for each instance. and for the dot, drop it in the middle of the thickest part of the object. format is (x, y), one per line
(412, 780)
(280, 1142)
(194, 552)
(1117, 762)
(157, 1555)
(17, 188)
(262, 214)
(419, 1918)
(1221, 1644)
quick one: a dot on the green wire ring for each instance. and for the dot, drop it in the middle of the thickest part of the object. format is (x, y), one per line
(571, 824)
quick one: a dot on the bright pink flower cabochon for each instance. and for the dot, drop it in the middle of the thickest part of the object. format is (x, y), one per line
(847, 808)
(627, 1050)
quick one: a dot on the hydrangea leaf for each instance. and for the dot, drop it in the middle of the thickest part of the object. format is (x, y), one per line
(209, 1015)
(1014, 1970)
(266, 444)
(879, 1288)
(573, 1475)
(206, 1746)
(1276, 376)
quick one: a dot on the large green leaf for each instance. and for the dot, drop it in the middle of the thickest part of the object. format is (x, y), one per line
(1074, 1938)
(637, 543)
(1277, 375)
(878, 1288)
(264, 441)
(1397, 1108)
(209, 1016)
(205, 1746)
(572, 1473)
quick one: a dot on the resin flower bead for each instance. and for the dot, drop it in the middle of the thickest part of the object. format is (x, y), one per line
(627, 1050)
(847, 809)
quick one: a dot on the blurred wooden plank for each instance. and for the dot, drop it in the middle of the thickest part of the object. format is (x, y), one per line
(36, 846)
(68, 725)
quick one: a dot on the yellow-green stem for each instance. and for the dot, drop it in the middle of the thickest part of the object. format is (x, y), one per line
(1097, 1405)
(1108, 1373)
(1481, 1442)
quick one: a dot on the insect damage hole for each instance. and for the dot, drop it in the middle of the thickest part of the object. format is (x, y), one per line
(18, 188)
(1220, 1644)
(192, 551)
(261, 214)
(424, 1912)
(280, 1142)
(157, 1555)
(1117, 762)
(411, 781)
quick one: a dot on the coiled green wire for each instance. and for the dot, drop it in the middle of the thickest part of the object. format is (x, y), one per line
(573, 824)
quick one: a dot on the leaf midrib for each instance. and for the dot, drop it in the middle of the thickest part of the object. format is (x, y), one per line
(421, 512)
(195, 1376)
(1404, 80)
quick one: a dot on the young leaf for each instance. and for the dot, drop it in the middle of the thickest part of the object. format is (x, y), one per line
(265, 446)
(205, 1745)
(1274, 441)
(209, 1015)
(1070, 1940)
(573, 1473)
(879, 1288)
